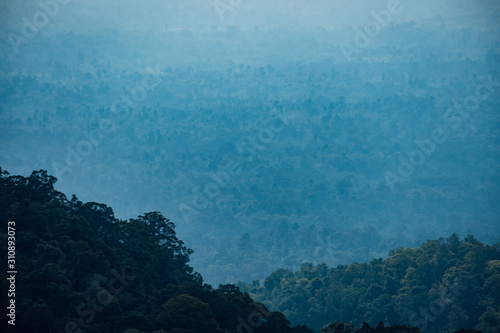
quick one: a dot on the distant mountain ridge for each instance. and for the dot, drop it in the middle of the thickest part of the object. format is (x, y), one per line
(316, 191)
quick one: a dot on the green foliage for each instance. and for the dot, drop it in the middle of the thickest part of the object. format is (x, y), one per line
(84, 269)
(187, 312)
(443, 285)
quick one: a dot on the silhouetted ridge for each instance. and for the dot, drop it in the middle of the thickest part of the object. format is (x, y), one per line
(81, 268)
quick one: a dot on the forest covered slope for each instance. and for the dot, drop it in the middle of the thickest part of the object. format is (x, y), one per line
(80, 268)
(83, 270)
(275, 166)
(441, 286)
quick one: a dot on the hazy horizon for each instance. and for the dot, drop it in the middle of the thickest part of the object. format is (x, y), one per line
(282, 113)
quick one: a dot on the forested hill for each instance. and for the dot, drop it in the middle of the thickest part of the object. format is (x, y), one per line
(441, 286)
(79, 269)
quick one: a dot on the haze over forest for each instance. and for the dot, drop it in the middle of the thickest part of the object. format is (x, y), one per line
(272, 133)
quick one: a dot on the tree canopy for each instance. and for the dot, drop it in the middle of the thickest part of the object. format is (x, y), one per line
(441, 286)
(80, 268)
(83, 270)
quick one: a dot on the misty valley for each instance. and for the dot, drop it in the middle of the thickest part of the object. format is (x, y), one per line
(250, 166)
